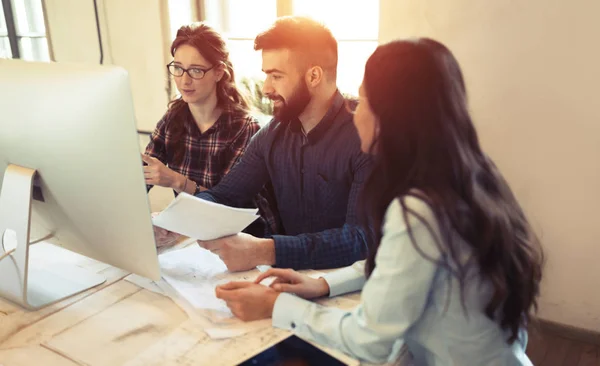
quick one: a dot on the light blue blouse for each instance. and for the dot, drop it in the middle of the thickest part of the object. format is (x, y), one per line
(408, 299)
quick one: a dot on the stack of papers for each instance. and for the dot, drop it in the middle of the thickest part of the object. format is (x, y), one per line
(203, 220)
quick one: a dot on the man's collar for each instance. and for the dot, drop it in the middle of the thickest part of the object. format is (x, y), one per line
(317, 132)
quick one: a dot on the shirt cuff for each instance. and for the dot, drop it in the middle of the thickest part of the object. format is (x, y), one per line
(207, 196)
(289, 311)
(287, 253)
(344, 280)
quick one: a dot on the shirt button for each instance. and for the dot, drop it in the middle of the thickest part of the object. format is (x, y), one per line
(293, 325)
(302, 171)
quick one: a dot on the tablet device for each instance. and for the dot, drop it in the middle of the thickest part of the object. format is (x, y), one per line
(292, 351)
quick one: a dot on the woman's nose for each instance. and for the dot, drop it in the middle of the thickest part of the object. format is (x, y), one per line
(186, 78)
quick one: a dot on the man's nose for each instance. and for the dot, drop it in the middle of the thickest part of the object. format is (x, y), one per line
(267, 88)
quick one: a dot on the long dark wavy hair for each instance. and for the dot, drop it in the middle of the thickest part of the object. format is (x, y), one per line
(427, 143)
(212, 47)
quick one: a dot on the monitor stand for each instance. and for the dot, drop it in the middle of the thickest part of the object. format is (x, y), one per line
(21, 281)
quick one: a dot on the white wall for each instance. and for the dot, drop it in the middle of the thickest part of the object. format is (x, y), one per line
(132, 36)
(532, 69)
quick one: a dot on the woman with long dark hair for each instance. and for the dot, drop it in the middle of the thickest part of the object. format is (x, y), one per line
(206, 130)
(456, 272)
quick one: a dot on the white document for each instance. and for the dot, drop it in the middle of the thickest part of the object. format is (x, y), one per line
(203, 220)
(190, 276)
(194, 273)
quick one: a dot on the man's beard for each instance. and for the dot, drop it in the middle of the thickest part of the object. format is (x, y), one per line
(292, 107)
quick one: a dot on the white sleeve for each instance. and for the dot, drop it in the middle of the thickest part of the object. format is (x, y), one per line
(345, 280)
(393, 298)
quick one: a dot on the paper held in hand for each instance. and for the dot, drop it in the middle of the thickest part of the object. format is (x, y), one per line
(203, 220)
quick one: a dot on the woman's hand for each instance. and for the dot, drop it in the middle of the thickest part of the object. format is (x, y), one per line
(288, 280)
(248, 301)
(156, 173)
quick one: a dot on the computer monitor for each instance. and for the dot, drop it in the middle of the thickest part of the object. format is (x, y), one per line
(71, 173)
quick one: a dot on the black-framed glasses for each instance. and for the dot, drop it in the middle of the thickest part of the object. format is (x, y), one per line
(193, 72)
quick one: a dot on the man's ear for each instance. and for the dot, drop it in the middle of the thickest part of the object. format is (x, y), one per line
(314, 76)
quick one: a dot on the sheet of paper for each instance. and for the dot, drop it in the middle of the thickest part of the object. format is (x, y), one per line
(203, 220)
(216, 324)
(263, 267)
(193, 273)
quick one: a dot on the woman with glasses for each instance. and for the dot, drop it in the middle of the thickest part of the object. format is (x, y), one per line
(206, 130)
(456, 270)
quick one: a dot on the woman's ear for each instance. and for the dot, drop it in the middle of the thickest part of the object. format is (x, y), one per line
(219, 72)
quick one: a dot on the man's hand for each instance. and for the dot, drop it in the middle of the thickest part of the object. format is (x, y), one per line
(163, 237)
(288, 280)
(156, 173)
(248, 301)
(242, 252)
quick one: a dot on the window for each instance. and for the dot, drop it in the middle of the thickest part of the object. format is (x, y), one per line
(354, 23)
(180, 14)
(22, 30)
(241, 22)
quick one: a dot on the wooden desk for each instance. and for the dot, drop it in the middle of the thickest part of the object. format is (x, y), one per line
(119, 323)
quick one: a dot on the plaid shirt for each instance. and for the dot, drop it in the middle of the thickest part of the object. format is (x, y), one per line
(209, 156)
(316, 180)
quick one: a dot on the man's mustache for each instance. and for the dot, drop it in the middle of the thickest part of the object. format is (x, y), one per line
(276, 98)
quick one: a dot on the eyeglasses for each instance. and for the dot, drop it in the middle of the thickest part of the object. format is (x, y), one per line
(194, 72)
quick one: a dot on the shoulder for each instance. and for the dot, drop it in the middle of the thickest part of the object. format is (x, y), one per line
(162, 123)
(344, 129)
(412, 209)
(173, 119)
(270, 130)
(347, 138)
(409, 218)
(274, 125)
(243, 121)
(160, 131)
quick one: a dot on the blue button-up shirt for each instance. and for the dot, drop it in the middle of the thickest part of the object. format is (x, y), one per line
(316, 179)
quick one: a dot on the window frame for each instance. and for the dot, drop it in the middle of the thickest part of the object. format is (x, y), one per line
(14, 37)
(11, 29)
